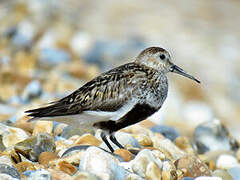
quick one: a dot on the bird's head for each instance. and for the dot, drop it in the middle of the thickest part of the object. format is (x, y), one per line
(159, 59)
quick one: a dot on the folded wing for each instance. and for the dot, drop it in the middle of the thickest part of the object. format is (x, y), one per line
(106, 93)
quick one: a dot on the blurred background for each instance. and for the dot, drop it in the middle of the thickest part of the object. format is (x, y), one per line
(48, 48)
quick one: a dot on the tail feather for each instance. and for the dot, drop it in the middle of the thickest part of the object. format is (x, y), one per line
(49, 111)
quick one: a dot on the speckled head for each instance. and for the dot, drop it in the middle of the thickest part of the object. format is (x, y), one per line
(156, 58)
(160, 60)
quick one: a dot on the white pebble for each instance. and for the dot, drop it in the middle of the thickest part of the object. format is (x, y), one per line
(226, 161)
(197, 109)
(208, 178)
(81, 43)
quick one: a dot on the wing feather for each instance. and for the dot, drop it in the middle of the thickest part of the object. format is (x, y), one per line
(107, 92)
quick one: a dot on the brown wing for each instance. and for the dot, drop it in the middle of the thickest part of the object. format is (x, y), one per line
(107, 92)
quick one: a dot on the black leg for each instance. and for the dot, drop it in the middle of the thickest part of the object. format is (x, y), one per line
(104, 138)
(114, 140)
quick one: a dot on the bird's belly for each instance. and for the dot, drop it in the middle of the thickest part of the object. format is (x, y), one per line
(84, 120)
(87, 119)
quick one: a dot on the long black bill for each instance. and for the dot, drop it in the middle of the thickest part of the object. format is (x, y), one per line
(180, 71)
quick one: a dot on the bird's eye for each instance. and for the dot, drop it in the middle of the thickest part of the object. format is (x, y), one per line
(162, 56)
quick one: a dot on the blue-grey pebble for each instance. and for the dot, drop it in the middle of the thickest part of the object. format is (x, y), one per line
(6, 109)
(6, 169)
(40, 175)
(187, 178)
(2, 147)
(16, 100)
(167, 131)
(28, 173)
(12, 119)
(55, 124)
(10, 32)
(22, 36)
(53, 56)
(124, 139)
(5, 60)
(94, 55)
(235, 173)
(105, 49)
(33, 146)
(32, 90)
(211, 136)
(21, 40)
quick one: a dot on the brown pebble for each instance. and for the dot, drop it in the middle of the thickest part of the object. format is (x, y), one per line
(3, 117)
(45, 157)
(212, 165)
(166, 146)
(43, 126)
(59, 175)
(24, 124)
(184, 144)
(136, 129)
(195, 167)
(25, 166)
(25, 62)
(169, 175)
(180, 174)
(147, 124)
(166, 175)
(125, 154)
(66, 167)
(74, 138)
(153, 172)
(88, 139)
(74, 158)
(143, 139)
(80, 175)
(77, 69)
(62, 144)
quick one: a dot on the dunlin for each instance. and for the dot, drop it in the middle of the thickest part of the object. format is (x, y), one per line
(118, 98)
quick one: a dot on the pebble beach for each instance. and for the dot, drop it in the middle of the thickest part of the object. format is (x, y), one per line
(48, 49)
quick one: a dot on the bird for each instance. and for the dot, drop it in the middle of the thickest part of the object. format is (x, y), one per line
(118, 98)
